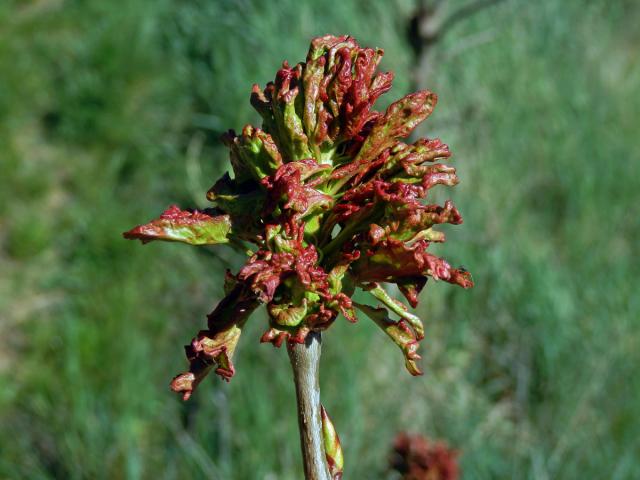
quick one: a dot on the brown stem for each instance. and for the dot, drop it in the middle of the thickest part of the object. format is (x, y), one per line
(305, 361)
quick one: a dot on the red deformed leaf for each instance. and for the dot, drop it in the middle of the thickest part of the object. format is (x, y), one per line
(175, 225)
(214, 347)
(398, 122)
(277, 335)
(423, 150)
(413, 221)
(411, 287)
(287, 189)
(208, 350)
(340, 88)
(265, 271)
(392, 260)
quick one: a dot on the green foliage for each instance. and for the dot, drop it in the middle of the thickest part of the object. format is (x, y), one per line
(108, 109)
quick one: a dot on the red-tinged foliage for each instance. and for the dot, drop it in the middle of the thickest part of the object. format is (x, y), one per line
(214, 347)
(194, 227)
(331, 199)
(417, 458)
(392, 260)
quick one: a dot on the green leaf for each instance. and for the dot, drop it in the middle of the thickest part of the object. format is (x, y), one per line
(287, 315)
(399, 332)
(175, 225)
(399, 309)
(254, 154)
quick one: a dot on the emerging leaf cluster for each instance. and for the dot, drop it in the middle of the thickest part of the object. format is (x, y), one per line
(332, 200)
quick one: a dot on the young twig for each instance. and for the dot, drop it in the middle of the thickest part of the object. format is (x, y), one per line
(305, 362)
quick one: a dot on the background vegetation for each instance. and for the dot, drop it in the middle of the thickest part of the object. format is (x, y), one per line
(111, 110)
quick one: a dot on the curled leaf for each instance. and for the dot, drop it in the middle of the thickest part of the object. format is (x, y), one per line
(254, 155)
(214, 347)
(398, 122)
(392, 260)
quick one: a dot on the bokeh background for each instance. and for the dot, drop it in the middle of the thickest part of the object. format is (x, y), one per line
(111, 110)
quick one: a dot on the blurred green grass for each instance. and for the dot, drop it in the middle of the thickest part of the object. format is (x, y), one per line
(111, 110)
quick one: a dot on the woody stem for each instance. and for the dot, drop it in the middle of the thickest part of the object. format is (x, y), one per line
(305, 361)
